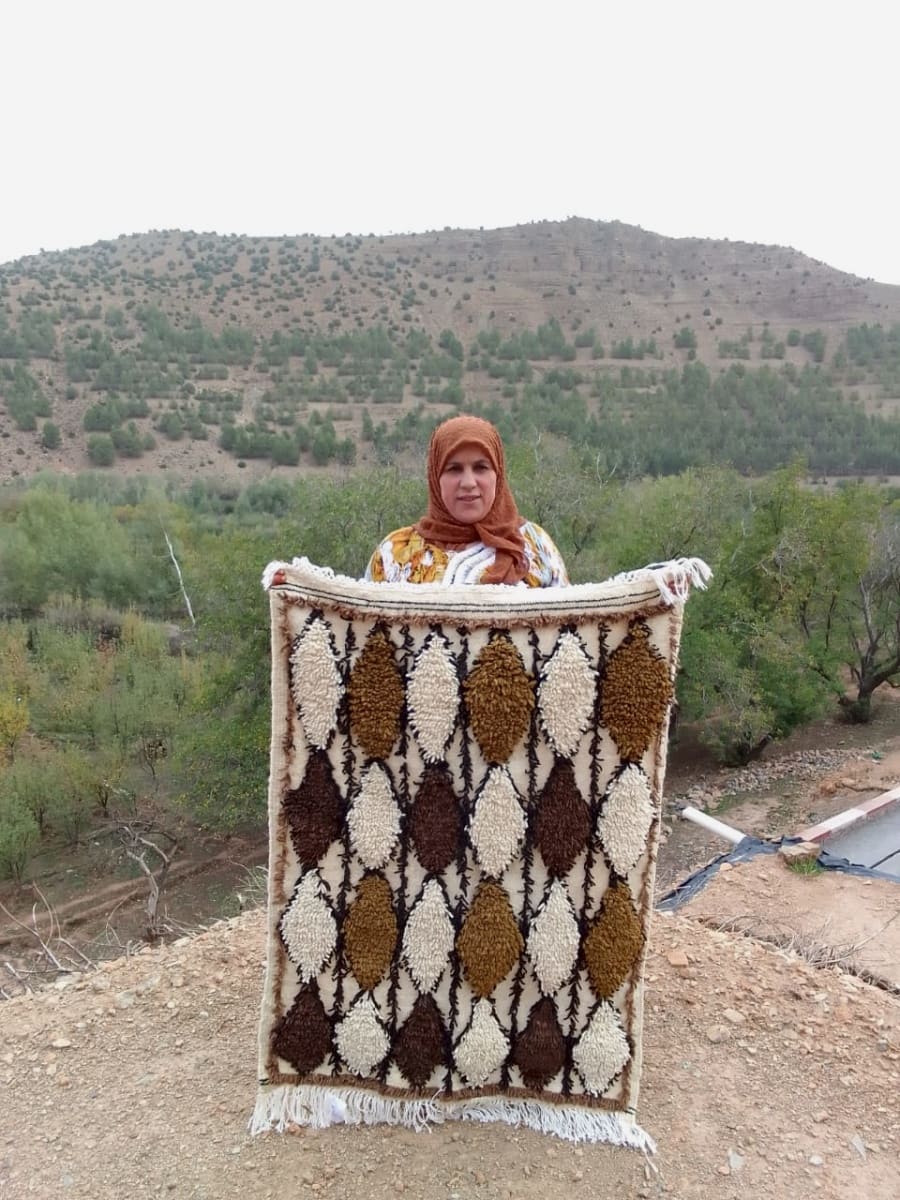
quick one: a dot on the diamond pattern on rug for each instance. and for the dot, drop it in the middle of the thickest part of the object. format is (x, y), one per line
(497, 826)
(308, 928)
(499, 698)
(554, 941)
(373, 821)
(483, 1047)
(432, 696)
(567, 694)
(316, 682)
(428, 937)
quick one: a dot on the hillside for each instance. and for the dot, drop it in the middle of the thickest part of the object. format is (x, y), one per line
(202, 355)
(764, 1077)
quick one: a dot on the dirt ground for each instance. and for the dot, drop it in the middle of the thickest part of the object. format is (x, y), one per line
(853, 921)
(764, 1077)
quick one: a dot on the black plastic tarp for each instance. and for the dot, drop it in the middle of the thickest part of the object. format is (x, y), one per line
(746, 850)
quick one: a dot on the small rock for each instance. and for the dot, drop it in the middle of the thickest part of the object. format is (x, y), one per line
(677, 958)
(61, 1043)
(716, 1034)
(735, 1161)
(800, 852)
(733, 1016)
(124, 999)
(820, 1116)
(858, 1145)
(816, 1160)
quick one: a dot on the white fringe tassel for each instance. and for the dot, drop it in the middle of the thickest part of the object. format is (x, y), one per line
(674, 579)
(319, 1107)
(302, 563)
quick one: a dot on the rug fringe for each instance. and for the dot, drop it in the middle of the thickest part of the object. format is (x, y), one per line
(676, 578)
(320, 1107)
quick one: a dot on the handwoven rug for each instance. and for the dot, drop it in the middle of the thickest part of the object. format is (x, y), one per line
(464, 807)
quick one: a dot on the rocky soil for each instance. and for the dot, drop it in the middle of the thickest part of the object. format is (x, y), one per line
(763, 1077)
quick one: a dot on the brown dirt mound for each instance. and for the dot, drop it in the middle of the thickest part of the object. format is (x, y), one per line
(764, 1077)
(842, 920)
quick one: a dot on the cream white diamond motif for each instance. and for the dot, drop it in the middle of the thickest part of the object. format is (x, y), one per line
(374, 818)
(566, 694)
(432, 696)
(316, 683)
(626, 819)
(553, 940)
(428, 937)
(602, 1050)
(483, 1048)
(497, 825)
(362, 1040)
(308, 927)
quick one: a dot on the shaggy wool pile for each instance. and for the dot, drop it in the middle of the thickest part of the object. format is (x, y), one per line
(464, 805)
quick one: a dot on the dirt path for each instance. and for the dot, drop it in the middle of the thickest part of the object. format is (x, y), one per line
(763, 1078)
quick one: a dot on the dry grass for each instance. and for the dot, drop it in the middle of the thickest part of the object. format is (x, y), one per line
(818, 947)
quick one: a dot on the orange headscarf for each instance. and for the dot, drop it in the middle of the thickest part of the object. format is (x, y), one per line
(500, 528)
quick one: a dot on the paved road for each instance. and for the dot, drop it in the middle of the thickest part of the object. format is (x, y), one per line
(872, 843)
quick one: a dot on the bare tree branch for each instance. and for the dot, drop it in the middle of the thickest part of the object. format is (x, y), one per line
(187, 599)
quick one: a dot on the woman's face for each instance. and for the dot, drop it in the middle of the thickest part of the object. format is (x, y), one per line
(468, 485)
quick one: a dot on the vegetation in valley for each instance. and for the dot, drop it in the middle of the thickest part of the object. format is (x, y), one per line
(112, 699)
(178, 409)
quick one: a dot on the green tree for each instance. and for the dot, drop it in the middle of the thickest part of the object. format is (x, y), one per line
(13, 723)
(19, 833)
(100, 450)
(827, 567)
(685, 338)
(449, 342)
(50, 436)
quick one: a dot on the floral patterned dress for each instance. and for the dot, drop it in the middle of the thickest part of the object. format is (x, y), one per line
(406, 557)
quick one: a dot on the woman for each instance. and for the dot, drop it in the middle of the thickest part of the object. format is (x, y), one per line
(472, 531)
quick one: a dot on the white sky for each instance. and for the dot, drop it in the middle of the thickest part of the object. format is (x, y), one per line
(766, 122)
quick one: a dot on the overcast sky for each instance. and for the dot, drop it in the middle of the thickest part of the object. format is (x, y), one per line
(765, 122)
